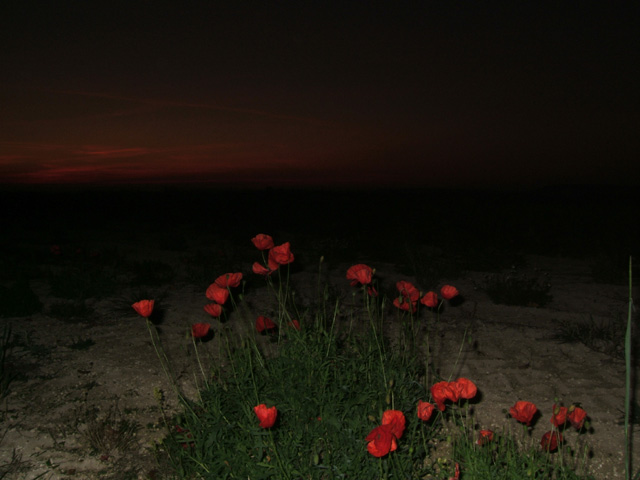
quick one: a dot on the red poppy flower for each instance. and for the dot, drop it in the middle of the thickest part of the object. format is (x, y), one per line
(262, 241)
(425, 410)
(213, 309)
(281, 254)
(381, 441)
(395, 420)
(559, 415)
(360, 273)
(267, 416)
(217, 294)
(55, 249)
(456, 475)
(448, 292)
(442, 391)
(409, 296)
(199, 330)
(229, 280)
(550, 441)
(430, 299)
(144, 307)
(264, 323)
(294, 324)
(577, 417)
(260, 269)
(465, 388)
(408, 291)
(484, 437)
(402, 304)
(523, 412)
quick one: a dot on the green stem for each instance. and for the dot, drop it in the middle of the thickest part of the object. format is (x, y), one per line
(373, 327)
(278, 459)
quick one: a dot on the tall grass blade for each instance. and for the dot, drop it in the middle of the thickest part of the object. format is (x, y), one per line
(627, 399)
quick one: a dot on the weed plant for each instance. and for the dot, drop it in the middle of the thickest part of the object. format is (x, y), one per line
(323, 393)
(110, 433)
(603, 336)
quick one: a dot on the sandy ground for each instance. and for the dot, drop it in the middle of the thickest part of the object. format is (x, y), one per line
(74, 373)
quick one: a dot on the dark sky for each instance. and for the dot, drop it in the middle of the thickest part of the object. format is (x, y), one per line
(449, 93)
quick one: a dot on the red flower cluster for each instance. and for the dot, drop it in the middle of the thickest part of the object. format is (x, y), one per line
(278, 255)
(408, 298)
(144, 308)
(384, 439)
(461, 389)
(575, 415)
(264, 323)
(219, 292)
(267, 416)
(430, 299)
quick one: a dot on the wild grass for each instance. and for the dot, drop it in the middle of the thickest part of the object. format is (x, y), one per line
(109, 433)
(603, 336)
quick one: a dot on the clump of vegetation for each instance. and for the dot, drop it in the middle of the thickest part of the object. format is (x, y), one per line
(604, 336)
(512, 289)
(319, 392)
(110, 433)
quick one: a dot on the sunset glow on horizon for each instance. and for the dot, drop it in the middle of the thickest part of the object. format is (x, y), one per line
(388, 96)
